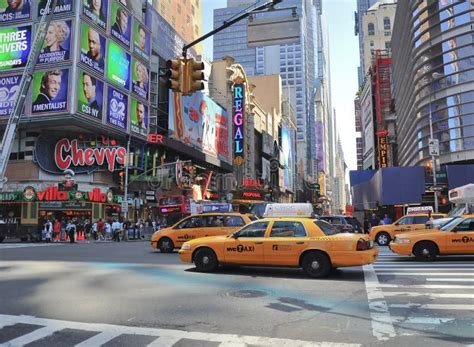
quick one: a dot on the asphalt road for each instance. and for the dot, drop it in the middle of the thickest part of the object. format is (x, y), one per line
(126, 294)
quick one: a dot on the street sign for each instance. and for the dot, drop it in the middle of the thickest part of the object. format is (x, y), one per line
(434, 147)
(216, 207)
(124, 206)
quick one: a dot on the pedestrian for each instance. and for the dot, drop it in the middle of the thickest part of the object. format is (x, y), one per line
(125, 227)
(366, 225)
(48, 230)
(57, 230)
(374, 220)
(116, 229)
(94, 230)
(63, 230)
(108, 230)
(71, 231)
(88, 229)
(101, 228)
(386, 220)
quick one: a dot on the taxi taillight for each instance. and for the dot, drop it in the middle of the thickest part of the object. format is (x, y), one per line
(362, 245)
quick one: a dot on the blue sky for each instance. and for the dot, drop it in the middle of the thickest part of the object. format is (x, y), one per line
(344, 60)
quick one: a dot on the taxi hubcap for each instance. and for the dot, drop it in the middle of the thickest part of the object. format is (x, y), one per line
(383, 239)
(315, 265)
(205, 260)
(426, 252)
(166, 244)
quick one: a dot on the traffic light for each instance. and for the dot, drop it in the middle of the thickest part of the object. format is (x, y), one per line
(192, 76)
(428, 171)
(121, 180)
(175, 74)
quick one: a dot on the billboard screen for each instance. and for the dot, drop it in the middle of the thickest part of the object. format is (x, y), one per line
(140, 79)
(121, 24)
(139, 117)
(199, 122)
(92, 48)
(141, 40)
(63, 6)
(117, 108)
(15, 45)
(90, 95)
(50, 92)
(96, 11)
(8, 93)
(288, 155)
(14, 10)
(118, 71)
(57, 43)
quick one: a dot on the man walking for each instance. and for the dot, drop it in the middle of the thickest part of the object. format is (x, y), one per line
(71, 231)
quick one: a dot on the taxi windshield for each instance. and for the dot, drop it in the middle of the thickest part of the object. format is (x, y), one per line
(451, 223)
(326, 228)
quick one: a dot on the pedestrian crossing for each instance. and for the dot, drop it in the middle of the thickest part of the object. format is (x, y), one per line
(28, 330)
(26, 245)
(435, 299)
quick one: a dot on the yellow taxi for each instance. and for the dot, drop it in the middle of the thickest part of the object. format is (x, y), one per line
(314, 245)
(383, 234)
(455, 237)
(196, 226)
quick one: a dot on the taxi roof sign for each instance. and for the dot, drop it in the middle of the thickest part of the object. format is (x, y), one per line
(420, 209)
(289, 210)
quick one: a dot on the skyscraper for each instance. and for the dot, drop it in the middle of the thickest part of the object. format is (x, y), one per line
(362, 7)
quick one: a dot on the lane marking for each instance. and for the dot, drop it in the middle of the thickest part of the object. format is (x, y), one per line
(52, 325)
(15, 245)
(450, 280)
(164, 341)
(435, 306)
(99, 339)
(33, 336)
(432, 295)
(422, 320)
(382, 326)
(425, 269)
(460, 266)
(427, 286)
(427, 273)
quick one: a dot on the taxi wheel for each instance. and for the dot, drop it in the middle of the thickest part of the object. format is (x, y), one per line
(316, 264)
(425, 251)
(165, 245)
(383, 239)
(205, 260)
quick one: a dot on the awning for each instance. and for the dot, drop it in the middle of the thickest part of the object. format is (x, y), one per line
(460, 175)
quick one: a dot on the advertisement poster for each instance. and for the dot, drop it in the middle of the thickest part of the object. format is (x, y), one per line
(63, 6)
(14, 10)
(139, 117)
(96, 11)
(90, 95)
(50, 92)
(141, 40)
(15, 45)
(92, 48)
(118, 72)
(117, 108)
(287, 159)
(57, 43)
(9, 87)
(199, 122)
(121, 24)
(140, 79)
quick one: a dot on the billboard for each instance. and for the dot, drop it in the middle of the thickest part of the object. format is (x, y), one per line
(57, 43)
(141, 40)
(50, 92)
(320, 147)
(117, 108)
(14, 10)
(238, 116)
(288, 156)
(121, 24)
(199, 122)
(118, 72)
(96, 11)
(90, 95)
(140, 79)
(63, 6)
(15, 45)
(92, 48)
(9, 87)
(139, 117)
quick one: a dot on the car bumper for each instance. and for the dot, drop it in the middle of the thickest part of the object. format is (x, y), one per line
(355, 258)
(186, 256)
(403, 249)
(154, 244)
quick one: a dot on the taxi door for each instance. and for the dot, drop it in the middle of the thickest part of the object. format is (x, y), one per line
(213, 225)
(419, 222)
(246, 245)
(188, 229)
(461, 238)
(404, 224)
(285, 242)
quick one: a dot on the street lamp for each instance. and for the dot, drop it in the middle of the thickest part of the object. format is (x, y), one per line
(435, 76)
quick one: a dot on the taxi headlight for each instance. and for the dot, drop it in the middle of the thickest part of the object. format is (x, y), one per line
(186, 247)
(402, 241)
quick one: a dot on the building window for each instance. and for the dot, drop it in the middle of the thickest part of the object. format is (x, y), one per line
(371, 43)
(178, 8)
(196, 29)
(387, 33)
(388, 45)
(371, 29)
(193, 10)
(188, 19)
(386, 23)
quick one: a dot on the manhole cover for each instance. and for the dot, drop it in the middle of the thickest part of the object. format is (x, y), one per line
(247, 294)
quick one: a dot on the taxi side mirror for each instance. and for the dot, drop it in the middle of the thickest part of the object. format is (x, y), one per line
(235, 236)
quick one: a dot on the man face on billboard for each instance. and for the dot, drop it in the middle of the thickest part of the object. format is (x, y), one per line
(141, 115)
(88, 85)
(94, 44)
(141, 38)
(51, 83)
(15, 4)
(122, 20)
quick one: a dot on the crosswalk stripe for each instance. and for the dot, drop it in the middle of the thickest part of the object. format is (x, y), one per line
(99, 339)
(435, 306)
(449, 280)
(165, 341)
(422, 320)
(427, 273)
(432, 295)
(426, 286)
(33, 336)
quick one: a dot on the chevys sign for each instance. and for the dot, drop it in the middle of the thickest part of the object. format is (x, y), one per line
(55, 156)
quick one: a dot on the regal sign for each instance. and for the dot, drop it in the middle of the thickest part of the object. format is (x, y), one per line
(238, 120)
(55, 156)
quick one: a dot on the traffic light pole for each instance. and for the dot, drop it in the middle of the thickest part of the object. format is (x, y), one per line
(226, 24)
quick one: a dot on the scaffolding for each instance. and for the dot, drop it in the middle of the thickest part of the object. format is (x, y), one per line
(381, 84)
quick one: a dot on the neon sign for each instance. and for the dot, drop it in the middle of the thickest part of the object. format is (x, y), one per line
(238, 120)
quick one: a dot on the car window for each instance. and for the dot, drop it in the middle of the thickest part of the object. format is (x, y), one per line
(466, 225)
(213, 221)
(438, 216)
(253, 230)
(193, 222)
(353, 221)
(326, 228)
(420, 219)
(233, 221)
(406, 221)
(288, 229)
(450, 224)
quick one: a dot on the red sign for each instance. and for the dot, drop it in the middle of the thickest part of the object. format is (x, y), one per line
(67, 153)
(252, 195)
(170, 209)
(155, 138)
(54, 194)
(250, 183)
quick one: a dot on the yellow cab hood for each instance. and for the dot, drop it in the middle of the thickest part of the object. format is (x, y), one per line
(417, 233)
(207, 239)
(344, 236)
